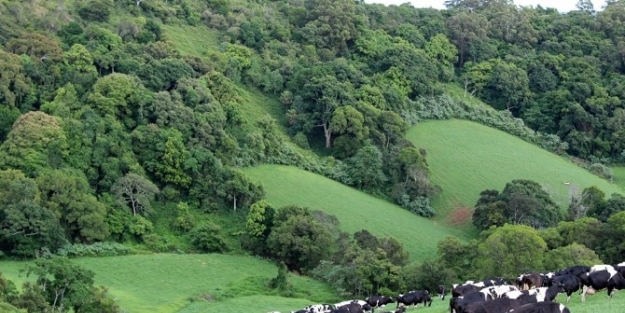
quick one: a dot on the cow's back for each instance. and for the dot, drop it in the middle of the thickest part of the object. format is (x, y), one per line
(494, 306)
(540, 307)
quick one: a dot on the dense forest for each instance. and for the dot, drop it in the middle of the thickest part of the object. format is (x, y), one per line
(113, 134)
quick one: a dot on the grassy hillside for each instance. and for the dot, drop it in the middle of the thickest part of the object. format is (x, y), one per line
(355, 210)
(467, 157)
(168, 283)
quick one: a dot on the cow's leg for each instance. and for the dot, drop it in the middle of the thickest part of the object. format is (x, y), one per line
(584, 290)
(568, 296)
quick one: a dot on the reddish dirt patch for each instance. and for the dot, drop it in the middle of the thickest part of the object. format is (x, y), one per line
(460, 216)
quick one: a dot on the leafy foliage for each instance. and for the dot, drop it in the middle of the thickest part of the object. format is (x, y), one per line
(521, 202)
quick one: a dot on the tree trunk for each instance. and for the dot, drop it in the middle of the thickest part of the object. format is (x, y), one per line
(328, 134)
(235, 203)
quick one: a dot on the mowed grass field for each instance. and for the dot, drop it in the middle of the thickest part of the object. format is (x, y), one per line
(355, 210)
(167, 283)
(467, 158)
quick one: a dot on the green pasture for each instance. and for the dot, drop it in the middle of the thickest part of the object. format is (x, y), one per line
(192, 40)
(619, 176)
(467, 158)
(355, 210)
(168, 283)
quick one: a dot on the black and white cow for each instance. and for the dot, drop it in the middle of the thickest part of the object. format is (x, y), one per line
(460, 304)
(495, 306)
(414, 297)
(352, 307)
(379, 301)
(540, 307)
(534, 295)
(568, 283)
(544, 294)
(318, 308)
(577, 270)
(601, 280)
(464, 289)
(363, 304)
(498, 291)
(547, 277)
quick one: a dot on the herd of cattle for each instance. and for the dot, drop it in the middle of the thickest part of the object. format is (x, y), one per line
(528, 293)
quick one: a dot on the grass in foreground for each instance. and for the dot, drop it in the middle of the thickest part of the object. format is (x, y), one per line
(467, 158)
(232, 284)
(167, 283)
(355, 210)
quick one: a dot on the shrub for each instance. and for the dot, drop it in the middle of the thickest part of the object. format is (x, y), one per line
(280, 282)
(301, 140)
(602, 171)
(158, 243)
(96, 249)
(208, 238)
(140, 226)
(97, 11)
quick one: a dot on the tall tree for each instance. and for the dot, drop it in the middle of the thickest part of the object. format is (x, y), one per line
(36, 141)
(464, 29)
(135, 192)
(510, 250)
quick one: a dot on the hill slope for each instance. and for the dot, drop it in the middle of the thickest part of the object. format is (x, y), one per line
(355, 210)
(467, 158)
(165, 283)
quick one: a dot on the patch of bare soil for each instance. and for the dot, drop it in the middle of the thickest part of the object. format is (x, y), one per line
(460, 216)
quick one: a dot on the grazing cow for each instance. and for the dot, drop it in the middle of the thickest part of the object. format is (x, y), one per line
(441, 292)
(460, 304)
(495, 306)
(363, 304)
(577, 270)
(535, 295)
(488, 282)
(544, 294)
(414, 297)
(518, 282)
(533, 280)
(515, 294)
(353, 307)
(318, 308)
(379, 301)
(568, 283)
(498, 291)
(547, 277)
(540, 307)
(601, 267)
(602, 280)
